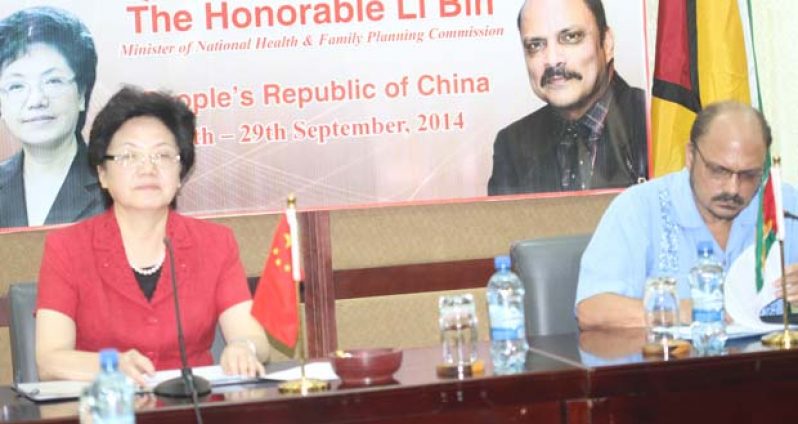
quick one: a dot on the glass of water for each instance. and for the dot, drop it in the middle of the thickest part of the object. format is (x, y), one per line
(662, 309)
(458, 327)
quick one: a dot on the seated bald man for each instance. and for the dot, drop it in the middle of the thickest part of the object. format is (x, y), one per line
(653, 229)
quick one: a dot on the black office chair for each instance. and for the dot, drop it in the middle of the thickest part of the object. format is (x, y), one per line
(549, 268)
(22, 331)
(218, 345)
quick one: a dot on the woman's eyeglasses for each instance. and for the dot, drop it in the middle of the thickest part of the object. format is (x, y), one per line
(135, 159)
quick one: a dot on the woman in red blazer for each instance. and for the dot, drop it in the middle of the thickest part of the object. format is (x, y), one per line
(106, 282)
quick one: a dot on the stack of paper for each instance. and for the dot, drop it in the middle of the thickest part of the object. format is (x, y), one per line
(52, 390)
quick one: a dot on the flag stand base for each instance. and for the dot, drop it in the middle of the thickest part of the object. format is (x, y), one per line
(303, 386)
(785, 339)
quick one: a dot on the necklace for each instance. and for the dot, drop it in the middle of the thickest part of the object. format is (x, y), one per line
(149, 270)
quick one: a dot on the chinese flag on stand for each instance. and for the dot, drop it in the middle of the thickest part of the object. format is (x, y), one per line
(275, 303)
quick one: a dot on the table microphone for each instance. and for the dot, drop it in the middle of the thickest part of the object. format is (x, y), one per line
(187, 385)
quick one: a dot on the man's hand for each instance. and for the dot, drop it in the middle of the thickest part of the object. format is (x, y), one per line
(792, 284)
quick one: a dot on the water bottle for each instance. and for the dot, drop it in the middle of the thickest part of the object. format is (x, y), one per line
(708, 329)
(109, 399)
(505, 296)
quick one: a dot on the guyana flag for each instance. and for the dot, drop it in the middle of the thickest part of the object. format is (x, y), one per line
(770, 220)
(700, 59)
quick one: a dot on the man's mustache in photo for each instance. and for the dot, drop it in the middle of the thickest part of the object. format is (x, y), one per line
(558, 71)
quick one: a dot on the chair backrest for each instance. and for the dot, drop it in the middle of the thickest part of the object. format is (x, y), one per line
(218, 345)
(22, 332)
(549, 268)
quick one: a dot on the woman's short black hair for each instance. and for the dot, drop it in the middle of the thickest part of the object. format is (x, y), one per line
(131, 102)
(62, 31)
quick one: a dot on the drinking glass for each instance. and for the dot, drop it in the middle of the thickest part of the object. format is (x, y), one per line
(662, 309)
(458, 327)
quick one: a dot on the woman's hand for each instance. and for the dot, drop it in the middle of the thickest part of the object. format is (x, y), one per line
(239, 358)
(145, 401)
(136, 366)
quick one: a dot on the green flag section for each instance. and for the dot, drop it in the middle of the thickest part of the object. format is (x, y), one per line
(700, 59)
(766, 225)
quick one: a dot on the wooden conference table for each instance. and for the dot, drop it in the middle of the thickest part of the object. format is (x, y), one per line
(597, 377)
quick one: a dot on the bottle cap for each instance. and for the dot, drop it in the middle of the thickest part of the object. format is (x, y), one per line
(705, 249)
(501, 262)
(109, 359)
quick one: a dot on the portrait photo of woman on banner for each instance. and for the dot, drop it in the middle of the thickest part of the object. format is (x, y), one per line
(47, 71)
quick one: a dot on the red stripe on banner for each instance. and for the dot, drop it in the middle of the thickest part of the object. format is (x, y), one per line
(673, 52)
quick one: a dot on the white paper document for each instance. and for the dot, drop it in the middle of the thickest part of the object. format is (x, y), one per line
(212, 373)
(217, 377)
(315, 370)
(64, 389)
(52, 390)
(733, 331)
(743, 303)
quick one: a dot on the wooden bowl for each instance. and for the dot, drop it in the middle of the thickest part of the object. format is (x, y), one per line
(357, 367)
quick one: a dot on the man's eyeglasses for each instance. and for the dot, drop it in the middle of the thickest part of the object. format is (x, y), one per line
(51, 86)
(134, 159)
(721, 173)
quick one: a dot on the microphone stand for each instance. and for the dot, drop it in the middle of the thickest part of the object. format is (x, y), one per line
(187, 385)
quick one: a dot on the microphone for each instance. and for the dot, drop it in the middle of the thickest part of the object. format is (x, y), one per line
(187, 385)
(788, 214)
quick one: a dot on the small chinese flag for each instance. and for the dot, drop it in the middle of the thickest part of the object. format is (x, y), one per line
(275, 303)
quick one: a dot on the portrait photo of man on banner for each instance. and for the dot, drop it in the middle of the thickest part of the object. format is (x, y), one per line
(591, 133)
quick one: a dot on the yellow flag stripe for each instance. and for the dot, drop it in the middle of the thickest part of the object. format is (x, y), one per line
(722, 61)
(671, 132)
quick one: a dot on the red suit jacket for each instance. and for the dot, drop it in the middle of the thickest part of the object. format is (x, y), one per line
(85, 274)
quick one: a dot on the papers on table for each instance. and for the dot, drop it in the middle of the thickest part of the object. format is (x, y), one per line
(212, 373)
(54, 390)
(217, 377)
(733, 331)
(316, 370)
(742, 301)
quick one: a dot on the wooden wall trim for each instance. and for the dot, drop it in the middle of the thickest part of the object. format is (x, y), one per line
(402, 279)
(319, 290)
(325, 286)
